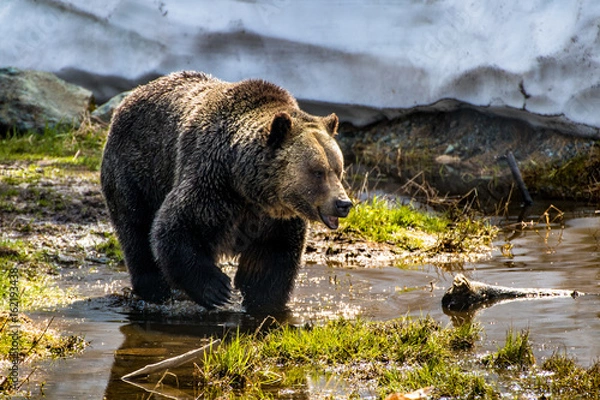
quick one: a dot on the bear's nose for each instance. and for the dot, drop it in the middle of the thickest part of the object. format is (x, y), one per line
(343, 207)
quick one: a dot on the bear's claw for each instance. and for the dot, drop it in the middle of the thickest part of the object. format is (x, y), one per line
(218, 294)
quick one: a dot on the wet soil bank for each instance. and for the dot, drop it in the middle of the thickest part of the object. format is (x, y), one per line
(458, 151)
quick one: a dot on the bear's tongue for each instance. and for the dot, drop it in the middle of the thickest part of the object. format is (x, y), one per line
(330, 221)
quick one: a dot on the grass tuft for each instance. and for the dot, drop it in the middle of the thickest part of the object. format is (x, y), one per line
(402, 355)
(111, 247)
(516, 353)
(566, 379)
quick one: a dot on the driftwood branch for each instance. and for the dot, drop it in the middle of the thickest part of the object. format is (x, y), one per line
(466, 295)
(172, 362)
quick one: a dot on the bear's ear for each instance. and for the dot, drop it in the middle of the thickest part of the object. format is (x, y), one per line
(281, 126)
(331, 123)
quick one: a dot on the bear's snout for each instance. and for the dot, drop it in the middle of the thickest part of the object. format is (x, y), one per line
(339, 208)
(342, 207)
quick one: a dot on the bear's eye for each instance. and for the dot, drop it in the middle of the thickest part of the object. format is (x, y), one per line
(319, 174)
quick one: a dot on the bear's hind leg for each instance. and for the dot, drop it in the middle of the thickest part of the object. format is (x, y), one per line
(147, 280)
(132, 220)
(268, 266)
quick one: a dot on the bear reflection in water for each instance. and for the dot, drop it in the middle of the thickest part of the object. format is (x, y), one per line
(196, 169)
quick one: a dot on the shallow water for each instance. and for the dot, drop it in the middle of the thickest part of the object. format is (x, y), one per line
(565, 254)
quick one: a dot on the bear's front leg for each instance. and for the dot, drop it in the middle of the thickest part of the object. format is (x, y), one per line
(269, 264)
(184, 249)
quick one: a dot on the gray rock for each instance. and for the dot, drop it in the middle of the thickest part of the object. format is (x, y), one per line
(105, 111)
(32, 100)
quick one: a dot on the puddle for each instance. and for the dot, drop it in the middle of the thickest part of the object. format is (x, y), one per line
(567, 256)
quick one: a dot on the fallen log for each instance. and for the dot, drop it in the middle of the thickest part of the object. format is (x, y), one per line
(466, 295)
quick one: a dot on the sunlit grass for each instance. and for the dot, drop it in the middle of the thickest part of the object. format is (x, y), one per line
(61, 147)
(566, 379)
(381, 221)
(407, 227)
(35, 283)
(448, 380)
(400, 353)
(516, 352)
(400, 356)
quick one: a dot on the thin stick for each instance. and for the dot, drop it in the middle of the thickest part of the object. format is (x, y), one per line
(27, 379)
(514, 169)
(173, 361)
(36, 341)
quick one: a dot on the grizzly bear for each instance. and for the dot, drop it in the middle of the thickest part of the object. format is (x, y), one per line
(196, 169)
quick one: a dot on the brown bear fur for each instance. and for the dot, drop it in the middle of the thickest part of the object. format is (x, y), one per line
(195, 169)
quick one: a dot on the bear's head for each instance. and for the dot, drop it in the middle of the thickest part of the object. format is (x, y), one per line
(312, 163)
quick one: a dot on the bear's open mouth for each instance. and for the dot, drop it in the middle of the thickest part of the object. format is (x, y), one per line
(329, 220)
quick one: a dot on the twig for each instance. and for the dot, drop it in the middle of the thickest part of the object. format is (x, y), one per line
(26, 379)
(172, 362)
(36, 341)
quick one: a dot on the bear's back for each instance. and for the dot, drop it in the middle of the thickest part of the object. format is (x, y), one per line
(184, 112)
(144, 131)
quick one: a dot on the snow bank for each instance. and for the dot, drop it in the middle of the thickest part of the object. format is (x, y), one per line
(538, 60)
